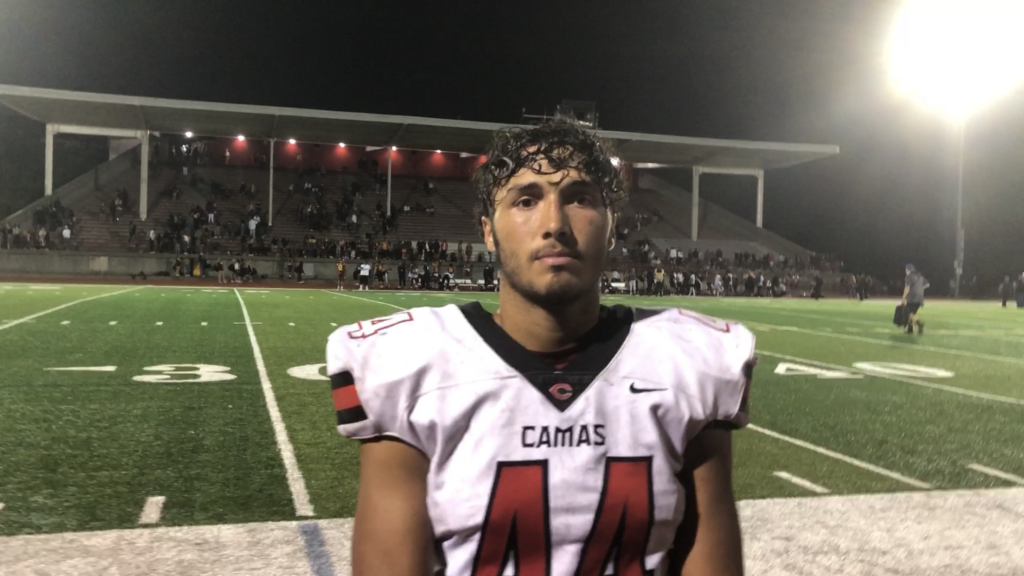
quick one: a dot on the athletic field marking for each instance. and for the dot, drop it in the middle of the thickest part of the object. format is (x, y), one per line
(806, 484)
(296, 483)
(842, 457)
(1, 506)
(202, 323)
(997, 473)
(113, 322)
(318, 554)
(253, 323)
(66, 322)
(333, 324)
(85, 369)
(159, 323)
(152, 509)
(61, 307)
(364, 299)
(291, 323)
(905, 380)
(951, 351)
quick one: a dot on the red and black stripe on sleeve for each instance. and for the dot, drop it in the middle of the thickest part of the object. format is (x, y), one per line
(346, 399)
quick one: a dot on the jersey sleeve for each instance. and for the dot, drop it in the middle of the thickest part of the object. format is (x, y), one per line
(724, 359)
(371, 398)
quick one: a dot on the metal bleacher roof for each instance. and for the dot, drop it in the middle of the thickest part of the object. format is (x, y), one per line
(109, 111)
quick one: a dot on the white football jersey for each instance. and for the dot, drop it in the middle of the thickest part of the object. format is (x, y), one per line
(364, 269)
(537, 468)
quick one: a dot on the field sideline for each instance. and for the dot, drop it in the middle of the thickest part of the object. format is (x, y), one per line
(202, 415)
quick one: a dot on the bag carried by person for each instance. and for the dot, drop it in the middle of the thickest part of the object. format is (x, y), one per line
(899, 318)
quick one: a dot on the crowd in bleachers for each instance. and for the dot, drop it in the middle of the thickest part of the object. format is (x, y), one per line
(52, 227)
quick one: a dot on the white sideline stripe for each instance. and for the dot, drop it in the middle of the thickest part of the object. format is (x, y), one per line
(152, 509)
(202, 323)
(159, 323)
(296, 483)
(61, 307)
(904, 379)
(842, 457)
(364, 299)
(996, 473)
(113, 322)
(806, 484)
(66, 322)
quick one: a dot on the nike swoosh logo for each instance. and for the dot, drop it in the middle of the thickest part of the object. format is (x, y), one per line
(635, 390)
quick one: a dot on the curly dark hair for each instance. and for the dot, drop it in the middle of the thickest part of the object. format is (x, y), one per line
(564, 143)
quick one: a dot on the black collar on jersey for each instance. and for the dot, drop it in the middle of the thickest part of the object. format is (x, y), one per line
(561, 387)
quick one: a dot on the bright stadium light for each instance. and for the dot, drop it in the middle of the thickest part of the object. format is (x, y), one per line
(241, 138)
(393, 148)
(955, 57)
(188, 134)
(438, 151)
(341, 144)
(291, 140)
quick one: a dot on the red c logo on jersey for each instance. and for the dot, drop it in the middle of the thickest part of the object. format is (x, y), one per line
(561, 391)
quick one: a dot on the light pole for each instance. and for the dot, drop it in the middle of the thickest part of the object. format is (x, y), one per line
(955, 57)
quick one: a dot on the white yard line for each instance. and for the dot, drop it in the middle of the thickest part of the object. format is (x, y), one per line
(364, 299)
(61, 307)
(805, 484)
(905, 380)
(152, 509)
(997, 473)
(889, 343)
(296, 483)
(842, 457)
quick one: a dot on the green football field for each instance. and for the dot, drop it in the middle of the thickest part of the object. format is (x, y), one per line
(122, 406)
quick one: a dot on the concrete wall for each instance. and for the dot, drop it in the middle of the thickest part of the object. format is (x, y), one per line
(73, 191)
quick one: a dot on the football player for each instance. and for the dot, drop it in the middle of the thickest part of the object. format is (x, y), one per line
(341, 274)
(554, 435)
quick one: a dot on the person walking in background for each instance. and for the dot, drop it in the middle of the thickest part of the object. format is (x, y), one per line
(913, 298)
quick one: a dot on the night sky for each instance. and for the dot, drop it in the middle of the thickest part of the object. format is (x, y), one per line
(782, 70)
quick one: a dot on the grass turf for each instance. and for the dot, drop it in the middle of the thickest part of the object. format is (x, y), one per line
(83, 450)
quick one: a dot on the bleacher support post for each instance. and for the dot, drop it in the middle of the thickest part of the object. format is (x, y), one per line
(760, 198)
(48, 189)
(390, 150)
(144, 175)
(695, 206)
(270, 207)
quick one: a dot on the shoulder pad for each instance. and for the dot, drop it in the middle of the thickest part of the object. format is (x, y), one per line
(722, 350)
(374, 367)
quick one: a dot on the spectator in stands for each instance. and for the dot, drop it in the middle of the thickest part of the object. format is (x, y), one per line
(67, 237)
(227, 156)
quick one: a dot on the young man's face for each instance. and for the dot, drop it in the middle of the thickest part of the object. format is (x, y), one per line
(551, 233)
